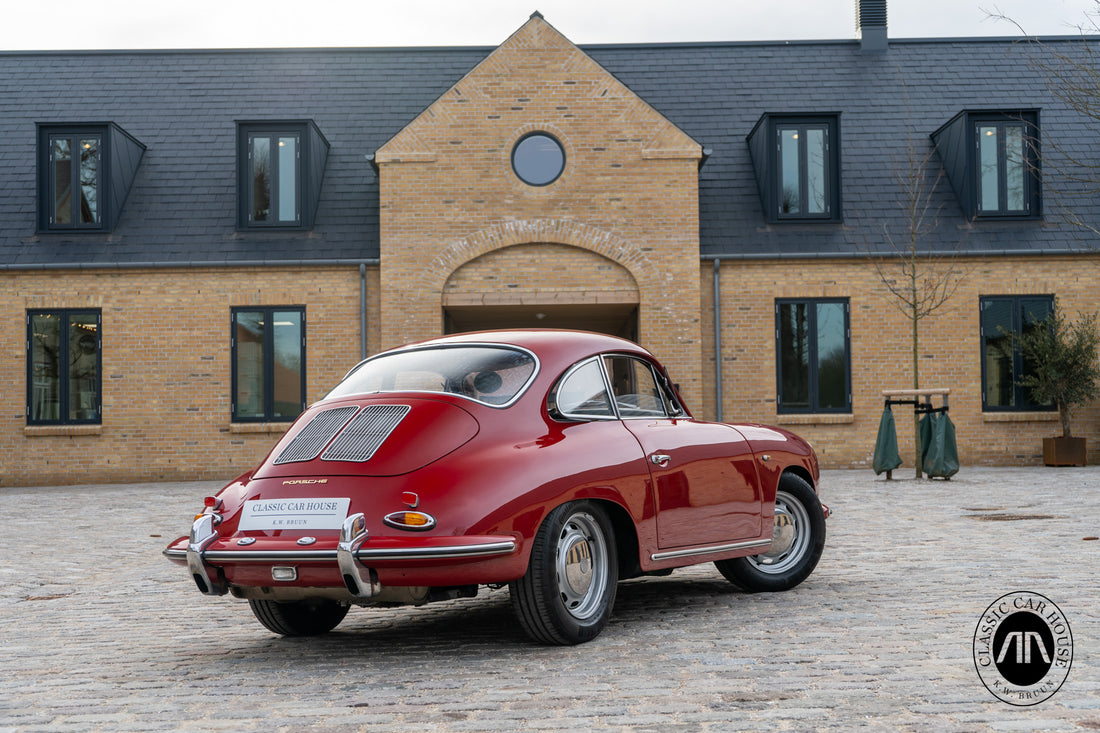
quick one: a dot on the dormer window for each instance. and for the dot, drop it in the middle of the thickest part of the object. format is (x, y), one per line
(84, 175)
(797, 163)
(992, 161)
(281, 166)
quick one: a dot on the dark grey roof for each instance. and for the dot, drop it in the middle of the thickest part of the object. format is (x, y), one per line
(716, 93)
(183, 106)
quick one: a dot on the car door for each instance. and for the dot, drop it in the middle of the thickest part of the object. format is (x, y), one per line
(703, 474)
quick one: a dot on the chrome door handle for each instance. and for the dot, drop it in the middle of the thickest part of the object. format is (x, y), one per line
(660, 459)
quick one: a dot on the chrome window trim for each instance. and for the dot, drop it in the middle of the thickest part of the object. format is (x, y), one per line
(434, 347)
(562, 416)
(656, 382)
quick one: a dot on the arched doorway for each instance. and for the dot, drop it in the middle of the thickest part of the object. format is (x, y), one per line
(541, 286)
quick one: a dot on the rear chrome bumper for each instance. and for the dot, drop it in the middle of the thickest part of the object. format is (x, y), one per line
(353, 555)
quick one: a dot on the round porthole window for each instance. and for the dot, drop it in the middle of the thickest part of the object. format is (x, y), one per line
(538, 159)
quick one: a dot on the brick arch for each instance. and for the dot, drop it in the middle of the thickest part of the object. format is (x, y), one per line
(540, 267)
(554, 231)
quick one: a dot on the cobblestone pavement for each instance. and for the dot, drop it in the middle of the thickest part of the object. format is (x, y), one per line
(100, 633)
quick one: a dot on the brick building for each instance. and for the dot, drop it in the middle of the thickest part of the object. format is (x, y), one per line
(196, 244)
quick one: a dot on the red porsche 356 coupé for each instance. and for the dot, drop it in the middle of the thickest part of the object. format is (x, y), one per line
(556, 462)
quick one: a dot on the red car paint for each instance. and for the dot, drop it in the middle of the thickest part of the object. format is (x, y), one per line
(490, 473)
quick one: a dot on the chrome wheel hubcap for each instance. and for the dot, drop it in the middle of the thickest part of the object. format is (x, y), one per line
(790, 540)
(581, 566)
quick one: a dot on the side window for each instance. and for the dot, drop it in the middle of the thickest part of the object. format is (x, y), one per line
(269, 355)
(582, 393)
(63, 367)
(634, 387)
(814, 360)
(1003, 365)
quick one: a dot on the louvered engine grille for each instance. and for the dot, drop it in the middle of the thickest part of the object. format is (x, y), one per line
(370, 428)
(313, 438)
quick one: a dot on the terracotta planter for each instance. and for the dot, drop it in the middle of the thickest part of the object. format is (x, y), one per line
(1064, 451)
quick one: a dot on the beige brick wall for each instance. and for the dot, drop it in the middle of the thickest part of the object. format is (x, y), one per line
(448, 194)
(166, 368)
(949, 354)
(536, 272)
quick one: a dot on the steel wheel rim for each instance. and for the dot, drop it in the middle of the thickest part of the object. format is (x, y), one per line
(581, 566)
(775, 563)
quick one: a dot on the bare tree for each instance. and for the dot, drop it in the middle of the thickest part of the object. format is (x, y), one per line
(920, 279)
(1072, 75)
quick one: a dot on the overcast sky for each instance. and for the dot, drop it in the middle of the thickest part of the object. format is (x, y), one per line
(131, 24)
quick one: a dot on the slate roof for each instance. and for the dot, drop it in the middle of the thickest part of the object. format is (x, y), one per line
(183, 105)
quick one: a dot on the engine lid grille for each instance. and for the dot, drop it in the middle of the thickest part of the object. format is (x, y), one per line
(313, 438)
(366, 433)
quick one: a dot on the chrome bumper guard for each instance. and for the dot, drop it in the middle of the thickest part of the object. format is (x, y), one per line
(202, 535)
(360, 581)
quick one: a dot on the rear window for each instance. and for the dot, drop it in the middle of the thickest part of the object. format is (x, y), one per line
(493, 375)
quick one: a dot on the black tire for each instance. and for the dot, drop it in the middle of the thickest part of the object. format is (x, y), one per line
(800, 532)
(299, 618)
(568, 592)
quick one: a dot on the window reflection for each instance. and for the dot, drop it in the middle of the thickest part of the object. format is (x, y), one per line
(287, 329)
(288, 179)
(1003, 364)
(45, 367)
(583, 392)
(987, 178)
(63, 350)
(261, 178)
(89, 180)
(803, 170)
(268, 363)
(815, 171)
(634, 387)
(794, 354)
(813, 353)
(1014, 168)
(790, 182)
(832, 357)
(1003, 179)
(249, 364)
(62, 181)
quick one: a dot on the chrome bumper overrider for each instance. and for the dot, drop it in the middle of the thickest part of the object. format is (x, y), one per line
(350, 556)
(360, 581)
(202, 535)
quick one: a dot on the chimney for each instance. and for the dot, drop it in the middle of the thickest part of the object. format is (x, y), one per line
(871, 25)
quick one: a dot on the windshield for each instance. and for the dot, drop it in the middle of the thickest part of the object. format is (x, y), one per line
(494, 375)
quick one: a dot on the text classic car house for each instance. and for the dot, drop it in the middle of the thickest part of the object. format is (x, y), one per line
(195, 245)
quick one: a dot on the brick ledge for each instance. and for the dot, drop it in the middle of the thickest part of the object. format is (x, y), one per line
(46, 431)
(822, 419)
(1020, 416)
(259, 427)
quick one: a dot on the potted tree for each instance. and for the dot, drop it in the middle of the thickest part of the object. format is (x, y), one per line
(1064, 370)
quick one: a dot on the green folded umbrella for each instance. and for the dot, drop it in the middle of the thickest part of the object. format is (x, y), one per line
(887, 457)
(941, 454)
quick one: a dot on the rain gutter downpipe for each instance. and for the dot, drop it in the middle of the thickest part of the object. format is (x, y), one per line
(362, 310)
(717, 341)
